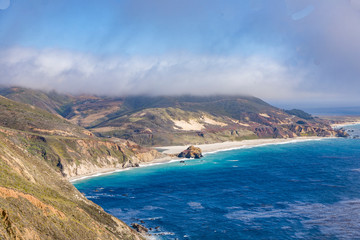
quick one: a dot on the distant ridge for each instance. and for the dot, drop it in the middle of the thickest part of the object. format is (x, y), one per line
(167, 120)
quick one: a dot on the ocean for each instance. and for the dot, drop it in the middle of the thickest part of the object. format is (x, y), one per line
(302, 190)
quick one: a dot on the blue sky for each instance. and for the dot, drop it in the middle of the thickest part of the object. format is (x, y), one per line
(280, 50)
(140, 27)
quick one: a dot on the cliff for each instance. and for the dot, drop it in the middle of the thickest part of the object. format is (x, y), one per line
(69, 149)
(36, 202)
(38, 151)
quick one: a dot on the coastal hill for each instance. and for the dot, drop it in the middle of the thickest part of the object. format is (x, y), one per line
(39, 151)
(180, 120)
(46, 138)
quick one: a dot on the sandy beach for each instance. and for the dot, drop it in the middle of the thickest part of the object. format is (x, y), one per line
(206, 148)
(106, 171)
(213, 147)
(340, 125)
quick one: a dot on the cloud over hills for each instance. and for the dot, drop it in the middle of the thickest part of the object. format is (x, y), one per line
(284, 49)
(167, 75)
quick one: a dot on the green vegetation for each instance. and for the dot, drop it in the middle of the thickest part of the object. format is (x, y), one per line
(299, 113)
(28, 118)
(37, 203)
(151, 121)
(38, 148)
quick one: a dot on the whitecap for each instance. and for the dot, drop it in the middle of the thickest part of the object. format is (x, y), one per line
(149, 208)
(341, 219)
(195, 205)
(92, 197)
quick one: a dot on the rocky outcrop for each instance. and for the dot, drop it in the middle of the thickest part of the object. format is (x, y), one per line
(341, 133)
(191, 152)
(140, 228)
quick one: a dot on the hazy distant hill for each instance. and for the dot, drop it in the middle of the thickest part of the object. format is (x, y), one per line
(51, 102)
(28, 118)
(170, 120)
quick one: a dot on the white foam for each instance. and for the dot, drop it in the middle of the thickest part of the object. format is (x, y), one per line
(341, 219)
(195, 205)
(99, 174)
(265, 144)
(152, 218)
(149, 207)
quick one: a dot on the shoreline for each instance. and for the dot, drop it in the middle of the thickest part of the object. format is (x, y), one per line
(206, 149)
(108, 171)
(344, 124)
(227, 146)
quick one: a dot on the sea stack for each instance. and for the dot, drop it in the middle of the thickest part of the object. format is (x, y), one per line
(191, 152)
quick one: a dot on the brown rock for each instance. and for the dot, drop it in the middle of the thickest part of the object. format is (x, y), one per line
(191, 152)
(140, 228)
(341, 133)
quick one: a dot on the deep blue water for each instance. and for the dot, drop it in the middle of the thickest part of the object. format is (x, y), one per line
(305, 190)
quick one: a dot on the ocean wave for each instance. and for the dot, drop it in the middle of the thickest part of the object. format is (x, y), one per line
(149, 208)
(125, 213)
(151, 218)
(92, 197)
(341, 219)
(107, 195)
(164, 234)
(99, 174)
(195, 205)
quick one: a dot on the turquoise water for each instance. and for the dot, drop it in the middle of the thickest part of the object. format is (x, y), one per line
(305, 190)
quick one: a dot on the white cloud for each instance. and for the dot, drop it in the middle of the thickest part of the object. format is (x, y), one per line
(67, 71)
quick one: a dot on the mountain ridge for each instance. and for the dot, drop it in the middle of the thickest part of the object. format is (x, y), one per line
(180, 120)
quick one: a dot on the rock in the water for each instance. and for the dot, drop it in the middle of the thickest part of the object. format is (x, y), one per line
(140, 228)
(341, 133)
(191, 152)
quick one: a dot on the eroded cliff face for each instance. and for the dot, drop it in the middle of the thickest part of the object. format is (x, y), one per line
(292, 130)
(89, 156)
(37, 202)
(78, 156)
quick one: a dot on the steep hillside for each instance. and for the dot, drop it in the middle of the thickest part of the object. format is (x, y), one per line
(155, 121)
(69, 149)
(36, 202)
(39, 151)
